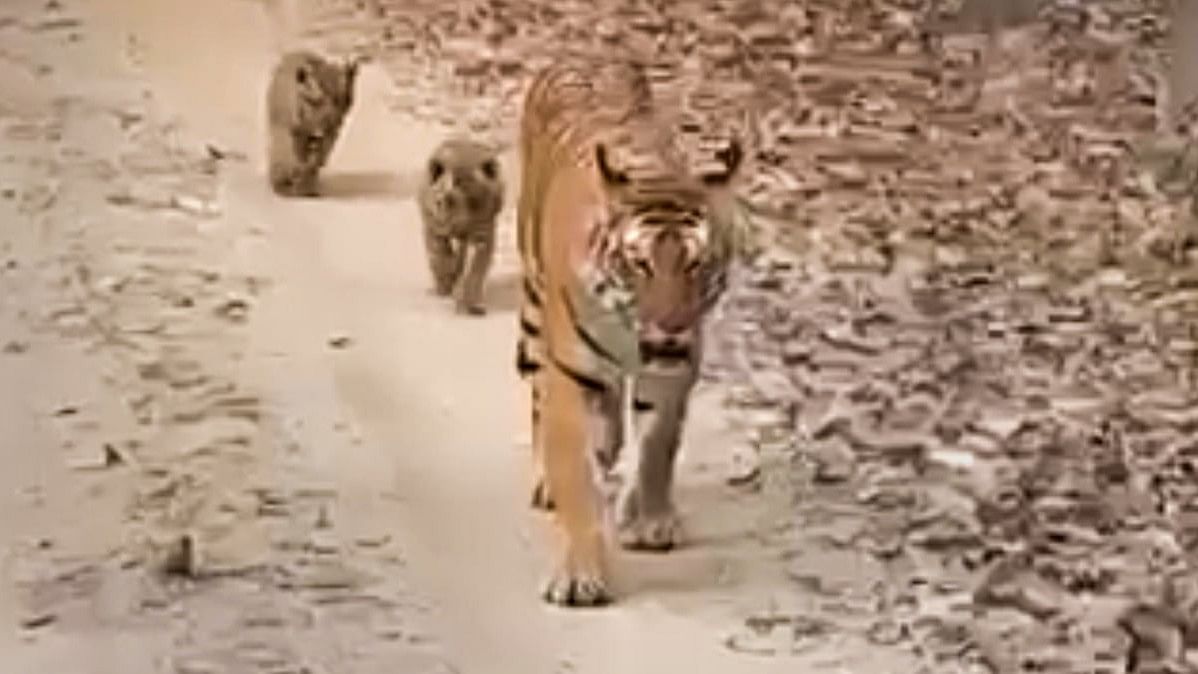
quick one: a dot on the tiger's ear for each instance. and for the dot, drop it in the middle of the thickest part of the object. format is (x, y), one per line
(611, 177)
(351, 70)
(731, 157)
(435, 169)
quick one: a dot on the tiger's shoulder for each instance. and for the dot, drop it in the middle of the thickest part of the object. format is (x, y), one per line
(575, 100)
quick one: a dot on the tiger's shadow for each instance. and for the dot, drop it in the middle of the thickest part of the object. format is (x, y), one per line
(367, 185)
(502, 292)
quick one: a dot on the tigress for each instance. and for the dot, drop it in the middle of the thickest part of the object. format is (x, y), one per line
(306, 103)
(623, 251)
(460, 196)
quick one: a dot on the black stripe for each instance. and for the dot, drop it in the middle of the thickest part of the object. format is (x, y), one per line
(586, 337)
(525, 364)
(528, 328)
(583, 380)
(531, 294)
(639, 405)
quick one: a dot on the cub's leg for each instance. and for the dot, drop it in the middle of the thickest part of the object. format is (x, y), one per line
(281, 164)
(479, 251)
(647, 518)
(305, 184)
(307, 151)
(581, 575)
(445, 258)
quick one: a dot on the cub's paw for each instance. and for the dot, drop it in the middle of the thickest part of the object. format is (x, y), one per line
(540, 496)
(648, 531)
(577, 588)
(470, 309)
(307, 189)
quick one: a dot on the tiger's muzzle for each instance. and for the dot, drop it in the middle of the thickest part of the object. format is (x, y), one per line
(659, 345)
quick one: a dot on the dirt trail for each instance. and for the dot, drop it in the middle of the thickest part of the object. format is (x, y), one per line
(432, 396)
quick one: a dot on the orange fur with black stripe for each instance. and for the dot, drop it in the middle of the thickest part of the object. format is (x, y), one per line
(623, 251)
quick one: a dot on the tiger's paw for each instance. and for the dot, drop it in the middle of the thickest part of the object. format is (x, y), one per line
(647, 532)
(575, 585)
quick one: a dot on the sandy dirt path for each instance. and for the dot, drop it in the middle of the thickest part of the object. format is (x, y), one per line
(437, 404)
(429, 399)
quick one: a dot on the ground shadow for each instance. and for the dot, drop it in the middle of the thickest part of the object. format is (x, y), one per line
(365, 185)
(503, 292)
(723, 550)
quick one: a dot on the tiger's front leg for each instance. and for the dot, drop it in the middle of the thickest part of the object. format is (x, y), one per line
(581, 576)
(478, 251)
(606, 438)
(647, 517)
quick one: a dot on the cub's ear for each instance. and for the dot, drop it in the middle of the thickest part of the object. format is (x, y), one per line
(303, 74)
(490, 169)
(731, 157)
(611, 177)
(351, 70)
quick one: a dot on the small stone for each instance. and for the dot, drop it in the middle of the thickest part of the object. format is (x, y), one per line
(15, 347)
(181, 558)
(834, 461)
(107, 457)
(746, 468)
(234, 309)
(38, 620)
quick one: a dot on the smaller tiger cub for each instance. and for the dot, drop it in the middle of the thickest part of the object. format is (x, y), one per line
(306, 104)
(460, 196)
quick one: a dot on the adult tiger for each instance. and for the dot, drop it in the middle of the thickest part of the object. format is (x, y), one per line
(623, 251)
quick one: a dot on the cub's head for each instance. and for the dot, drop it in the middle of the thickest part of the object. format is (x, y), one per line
(325, 91)
(462, 182)
(666, 242)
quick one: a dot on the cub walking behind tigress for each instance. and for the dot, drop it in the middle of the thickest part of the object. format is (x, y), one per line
(306, 103)
(623, 251)
(460, 196)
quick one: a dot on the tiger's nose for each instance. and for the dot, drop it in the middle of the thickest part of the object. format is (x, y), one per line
(667, 335)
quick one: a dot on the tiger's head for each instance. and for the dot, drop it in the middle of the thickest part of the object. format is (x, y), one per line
(665, 246)
(463, 183)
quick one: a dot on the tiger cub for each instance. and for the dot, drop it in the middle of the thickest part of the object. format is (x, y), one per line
(460, 196)
(306, 104)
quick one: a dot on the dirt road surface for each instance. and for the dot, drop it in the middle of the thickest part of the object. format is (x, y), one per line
(192, 362)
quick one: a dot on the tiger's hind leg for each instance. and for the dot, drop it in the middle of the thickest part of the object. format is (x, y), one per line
(647, 517)
(580, 578)
(478, 252)
(608, 434)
